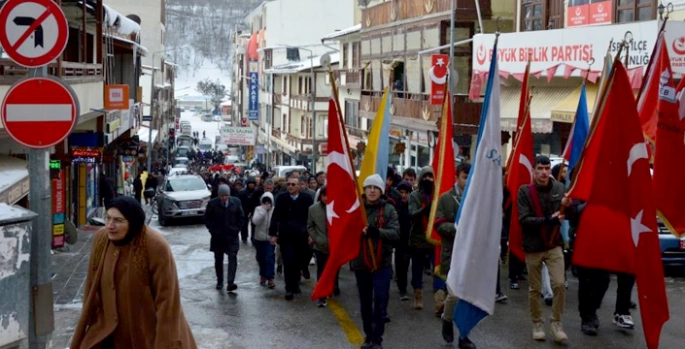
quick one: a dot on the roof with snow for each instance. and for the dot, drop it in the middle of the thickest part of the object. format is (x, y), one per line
(124, 25)
(339, 33)
(302, 65)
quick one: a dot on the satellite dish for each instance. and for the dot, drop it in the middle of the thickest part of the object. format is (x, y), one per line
(325, 60)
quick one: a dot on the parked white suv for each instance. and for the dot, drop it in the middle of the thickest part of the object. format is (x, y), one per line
(182, 196)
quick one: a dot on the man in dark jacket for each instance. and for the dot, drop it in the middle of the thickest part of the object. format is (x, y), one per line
(419, 248)
(402, 245)
(247, 197)
(289, 229)
(374, 283)
(539, 207)
(223, 218)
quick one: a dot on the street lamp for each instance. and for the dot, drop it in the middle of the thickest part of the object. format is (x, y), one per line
(661, 9)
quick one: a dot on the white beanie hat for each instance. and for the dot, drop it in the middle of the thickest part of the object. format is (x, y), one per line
(376, 181)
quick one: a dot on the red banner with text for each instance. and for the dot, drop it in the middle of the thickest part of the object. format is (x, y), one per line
(438, 76)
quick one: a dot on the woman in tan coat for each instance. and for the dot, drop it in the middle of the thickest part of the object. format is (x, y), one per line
(131, 296)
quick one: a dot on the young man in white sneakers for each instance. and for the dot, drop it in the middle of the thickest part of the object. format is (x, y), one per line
(540, 215)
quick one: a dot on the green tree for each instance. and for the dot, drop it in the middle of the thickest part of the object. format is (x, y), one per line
(214, 90)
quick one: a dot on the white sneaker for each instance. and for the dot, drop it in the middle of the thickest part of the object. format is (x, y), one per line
(624, 321)
(539, 331)
(557, 332)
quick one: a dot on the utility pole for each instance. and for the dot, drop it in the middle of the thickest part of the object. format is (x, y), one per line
(152, 115)
(41, 315)
(312, 92)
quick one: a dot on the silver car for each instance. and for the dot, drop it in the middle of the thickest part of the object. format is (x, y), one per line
(182, 196)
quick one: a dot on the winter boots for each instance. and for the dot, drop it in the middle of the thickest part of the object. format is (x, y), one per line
(418, 299)
(439, 298)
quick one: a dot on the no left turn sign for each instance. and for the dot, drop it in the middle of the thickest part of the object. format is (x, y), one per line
(33, 33)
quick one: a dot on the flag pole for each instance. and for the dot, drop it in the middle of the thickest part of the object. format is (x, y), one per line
(341, 124)
(445, 121)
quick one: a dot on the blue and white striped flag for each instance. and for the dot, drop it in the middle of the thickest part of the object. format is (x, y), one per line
(473, 272)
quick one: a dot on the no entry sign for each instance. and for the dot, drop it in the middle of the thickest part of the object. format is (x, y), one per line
(39, 112)
(33, 33)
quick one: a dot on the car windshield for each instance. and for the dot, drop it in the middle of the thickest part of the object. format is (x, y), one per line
(185, 184)
(182, 151)
(205, 146)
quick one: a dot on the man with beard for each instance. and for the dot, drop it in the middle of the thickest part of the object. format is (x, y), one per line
(289, 229)
(419, 248)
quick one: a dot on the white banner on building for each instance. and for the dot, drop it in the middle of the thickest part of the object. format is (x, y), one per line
(566, 52)
(238, 135)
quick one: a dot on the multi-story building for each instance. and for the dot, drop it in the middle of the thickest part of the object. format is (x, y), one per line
(283, 51)
(103, 52)
(395, 45)
(567, 44)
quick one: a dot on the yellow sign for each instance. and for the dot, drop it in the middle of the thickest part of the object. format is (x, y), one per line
(58, 229)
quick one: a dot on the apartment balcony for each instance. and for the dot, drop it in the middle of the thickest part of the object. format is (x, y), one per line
(414, 111)
(304, 102)
(350, 78)
(86, 79)
(398, 10)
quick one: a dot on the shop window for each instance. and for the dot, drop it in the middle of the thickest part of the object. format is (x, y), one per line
(533, 15)
(634, 10)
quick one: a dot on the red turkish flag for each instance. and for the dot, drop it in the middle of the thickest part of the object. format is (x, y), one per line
(669, 188)
(520, 166)
(649, 94)
(618, 230)
(343, 211)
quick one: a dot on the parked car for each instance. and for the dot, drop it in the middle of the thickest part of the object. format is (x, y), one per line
(182, 151)
(182, 196)
(672, 248)
(181, 160)
(207, 117)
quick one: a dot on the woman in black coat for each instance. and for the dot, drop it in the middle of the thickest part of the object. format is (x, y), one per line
(138, 188)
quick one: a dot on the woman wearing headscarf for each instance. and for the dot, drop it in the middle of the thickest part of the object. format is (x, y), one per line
(131, 296)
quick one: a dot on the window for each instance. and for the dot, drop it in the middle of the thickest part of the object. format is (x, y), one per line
(303, 124)
(299, 85)
(343, 62)
(284, 81)
(356, 54)
(309, 128)
(533, 15)
(352, 114)
(286, 124)
(268, 57)
(634, 10)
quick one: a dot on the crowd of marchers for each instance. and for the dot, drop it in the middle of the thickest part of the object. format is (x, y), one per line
(132, 291)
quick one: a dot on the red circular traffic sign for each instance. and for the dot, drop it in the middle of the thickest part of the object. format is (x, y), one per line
(33, 33)
(39, 112)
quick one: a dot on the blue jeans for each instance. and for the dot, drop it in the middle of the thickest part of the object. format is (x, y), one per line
(419, 258)
(374, 293)
(265, 258)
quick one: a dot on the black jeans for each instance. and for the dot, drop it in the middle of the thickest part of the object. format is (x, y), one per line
(294, 254)
(592, 285)
(244, 231)
(515, 268)
(321, 260)
(232, 265)
(374, 293)
(624, 292)
(419, 258)
(402, 267)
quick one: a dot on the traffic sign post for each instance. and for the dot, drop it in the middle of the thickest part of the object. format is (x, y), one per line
(33, 32)
(38, 112)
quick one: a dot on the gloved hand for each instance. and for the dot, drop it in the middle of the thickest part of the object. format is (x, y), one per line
(373, 232)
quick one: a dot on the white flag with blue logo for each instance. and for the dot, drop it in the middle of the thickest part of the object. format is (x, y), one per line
(473, 271)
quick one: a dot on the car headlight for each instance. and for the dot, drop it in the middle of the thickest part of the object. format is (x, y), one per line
(205, 201)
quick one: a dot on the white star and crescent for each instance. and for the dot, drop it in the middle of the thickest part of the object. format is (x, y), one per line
(523, 160)
(637, 228)
(637, 152)
(330, 213)
(343, 162)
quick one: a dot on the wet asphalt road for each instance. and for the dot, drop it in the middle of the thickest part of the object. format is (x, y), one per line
(256, 317)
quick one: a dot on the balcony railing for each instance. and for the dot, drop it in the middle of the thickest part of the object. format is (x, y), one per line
(392, 11)
(277, 98)
(353, 77)
(71, 72)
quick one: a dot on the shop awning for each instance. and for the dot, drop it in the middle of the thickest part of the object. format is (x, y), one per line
(283, 145)
(144, 135)
(565, 111)
(14, 179)
(544, 100)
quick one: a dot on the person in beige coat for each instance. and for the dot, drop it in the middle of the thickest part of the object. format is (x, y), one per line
(317, 228)
(131, 295)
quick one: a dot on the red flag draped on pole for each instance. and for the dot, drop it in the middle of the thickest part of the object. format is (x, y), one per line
(343, 211)
(618, 230)
(443, 164)
(520, 166)
(669, 188)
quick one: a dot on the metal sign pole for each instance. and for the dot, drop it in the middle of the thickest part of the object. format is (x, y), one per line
(41, 316)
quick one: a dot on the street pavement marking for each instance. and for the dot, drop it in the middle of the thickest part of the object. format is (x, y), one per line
(354, 336)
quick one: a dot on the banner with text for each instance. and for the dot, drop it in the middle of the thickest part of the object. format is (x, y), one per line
(566, 52)
(238, 135)
(588, 12)
(253, 84)
(438, 76)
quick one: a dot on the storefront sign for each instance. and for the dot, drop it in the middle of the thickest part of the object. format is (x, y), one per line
(58, 198)
(55, 164)
(113, 126)
(253, 84)
(116, 97)
(58, 235)
(238, 135)
(14, 193)
(566, 52)
(438, 76)
(588, 12)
